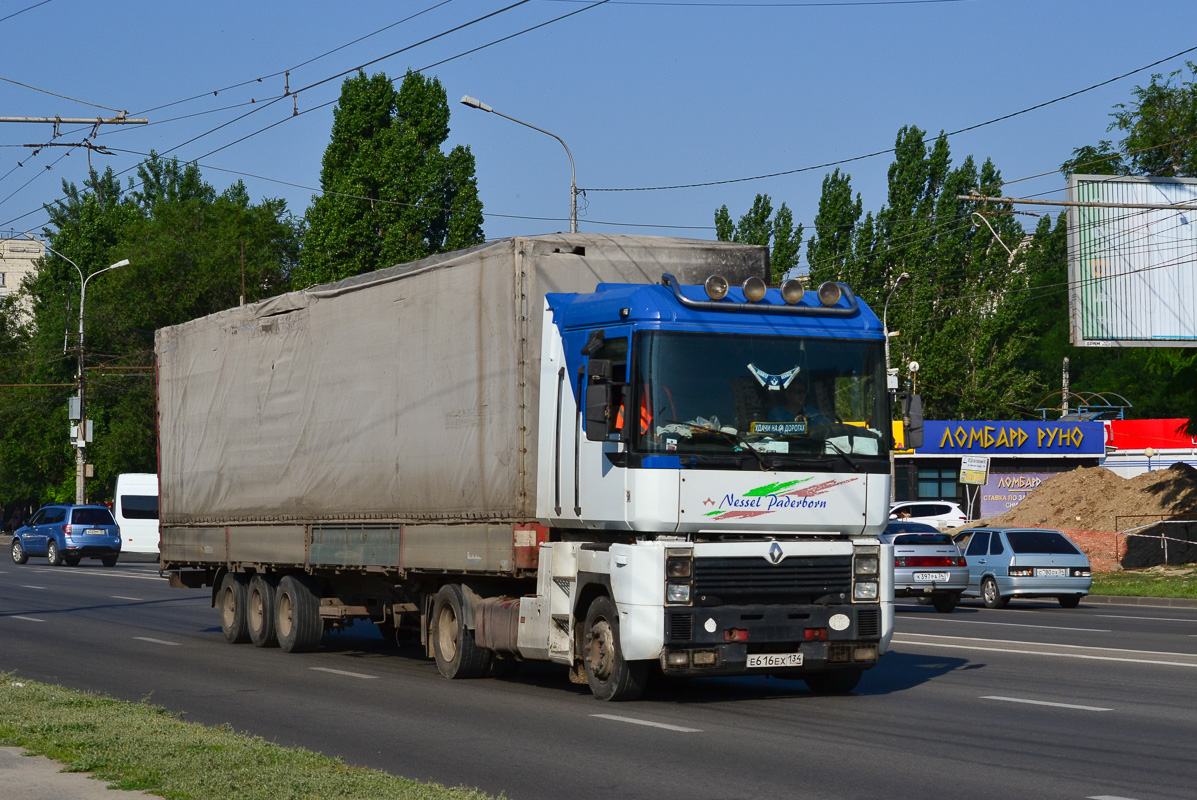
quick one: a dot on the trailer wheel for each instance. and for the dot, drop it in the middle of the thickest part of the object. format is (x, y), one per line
(231, 601)
(298, 615)
(261, 611)
(610, 676)
(457, 653)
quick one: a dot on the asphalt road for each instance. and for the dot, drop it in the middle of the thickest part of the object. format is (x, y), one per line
(1033, 701)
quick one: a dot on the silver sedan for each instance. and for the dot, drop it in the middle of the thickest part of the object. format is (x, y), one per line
(927, 564)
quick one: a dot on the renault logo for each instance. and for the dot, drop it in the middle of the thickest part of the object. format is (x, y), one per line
(775, 554)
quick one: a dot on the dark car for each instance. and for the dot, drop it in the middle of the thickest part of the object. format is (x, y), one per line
(66, 534)
(927, 564)
(1024, 562)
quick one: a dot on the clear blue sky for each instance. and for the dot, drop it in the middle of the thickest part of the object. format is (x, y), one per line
(644, 93)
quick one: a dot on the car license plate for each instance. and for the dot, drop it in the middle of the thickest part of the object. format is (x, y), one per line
(774, 660)
(95, 532)
(931, 576)
(1051, 572)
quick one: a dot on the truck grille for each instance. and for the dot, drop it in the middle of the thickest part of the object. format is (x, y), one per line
(681, 626)
(755, 580)
(868, 623)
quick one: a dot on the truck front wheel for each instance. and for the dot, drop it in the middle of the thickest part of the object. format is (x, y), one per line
(298, 622)
(453, 645)
(261, 611)
(231, 600)
(610, 675)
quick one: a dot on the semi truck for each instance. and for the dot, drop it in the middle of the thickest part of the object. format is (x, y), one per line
(570, 448)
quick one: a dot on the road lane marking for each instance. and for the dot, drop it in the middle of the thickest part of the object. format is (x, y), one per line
(123, 597)
(29, 586)
(1153, 619)
(155, 641)
(27, 619)
(1108, 797)
(900, 639)
(1017, 625)
(635, 721)
(1044, 703)
(148, 576)
(346, 672)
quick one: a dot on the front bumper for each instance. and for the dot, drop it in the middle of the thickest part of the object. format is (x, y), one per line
(696, 638)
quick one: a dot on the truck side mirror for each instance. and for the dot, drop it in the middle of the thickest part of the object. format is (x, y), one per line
(912, 420)
(598, 411)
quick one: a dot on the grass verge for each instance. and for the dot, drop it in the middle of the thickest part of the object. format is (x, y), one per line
(144, 747)
(1147, 582)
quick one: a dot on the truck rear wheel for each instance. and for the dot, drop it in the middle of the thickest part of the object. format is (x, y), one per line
(298, 622)
(261, 611)
(611, 677)
(231, 601)
(453, 645)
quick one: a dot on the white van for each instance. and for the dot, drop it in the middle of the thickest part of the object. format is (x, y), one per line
(136, 511)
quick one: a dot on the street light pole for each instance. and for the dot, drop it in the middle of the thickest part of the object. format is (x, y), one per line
(474, 102)
(891, 375)
(81, 432)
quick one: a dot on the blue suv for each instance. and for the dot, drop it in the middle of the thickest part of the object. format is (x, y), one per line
(65, 534)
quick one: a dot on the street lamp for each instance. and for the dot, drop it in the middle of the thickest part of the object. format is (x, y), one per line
(81, 437)
(474, 102)
(891, 375)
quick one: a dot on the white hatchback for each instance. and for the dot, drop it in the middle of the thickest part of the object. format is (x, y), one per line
(943, 514)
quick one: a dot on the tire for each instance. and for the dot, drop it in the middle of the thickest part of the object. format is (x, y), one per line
(232, 600)
(53, 554)
(260, 611)
(990, 594)
(611, 677)
(837, 682)
(109, 561)
(71, 561)
(453, 645)
(1069, 600)
(297, 615)
(945, 603)
(19, 556)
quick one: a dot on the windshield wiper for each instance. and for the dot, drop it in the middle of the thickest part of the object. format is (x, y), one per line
(735, 438)
(842, 454)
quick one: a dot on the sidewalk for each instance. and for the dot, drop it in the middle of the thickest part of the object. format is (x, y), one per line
(1155, 602)
(39, 778)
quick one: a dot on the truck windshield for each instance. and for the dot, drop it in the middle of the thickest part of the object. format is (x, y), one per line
(785, 397)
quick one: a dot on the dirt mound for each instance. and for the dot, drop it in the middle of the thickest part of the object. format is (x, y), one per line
(1094, 498)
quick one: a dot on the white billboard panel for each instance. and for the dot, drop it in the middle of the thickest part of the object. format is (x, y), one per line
(1132, 271)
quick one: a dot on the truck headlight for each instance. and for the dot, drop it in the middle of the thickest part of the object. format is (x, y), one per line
(677, 593)
(677, 567)
(867, 564)
(864, 590)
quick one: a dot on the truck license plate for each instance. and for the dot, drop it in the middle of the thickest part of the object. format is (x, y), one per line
(774, 660)
(931, 576)
(1052, 572)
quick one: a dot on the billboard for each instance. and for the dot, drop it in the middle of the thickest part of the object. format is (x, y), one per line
(1003, 492)
(1013, 439)
(1132, 261)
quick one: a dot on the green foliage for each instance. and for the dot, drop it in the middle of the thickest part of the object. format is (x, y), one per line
(139, 747)
(184, 242)
(760, 226)
(390, 194)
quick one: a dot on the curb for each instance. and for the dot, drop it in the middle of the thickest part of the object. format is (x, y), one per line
(1157, 602)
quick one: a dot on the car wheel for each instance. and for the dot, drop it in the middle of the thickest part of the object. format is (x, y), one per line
(1069, 600)
(52, 554)
(991, 596)
(838, 682)
(71, 561)
(109, 561)
(19, 556)
(945, 603)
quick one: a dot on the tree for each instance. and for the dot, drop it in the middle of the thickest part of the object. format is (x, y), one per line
(761, 227)
(390, 194)
(184, 242)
